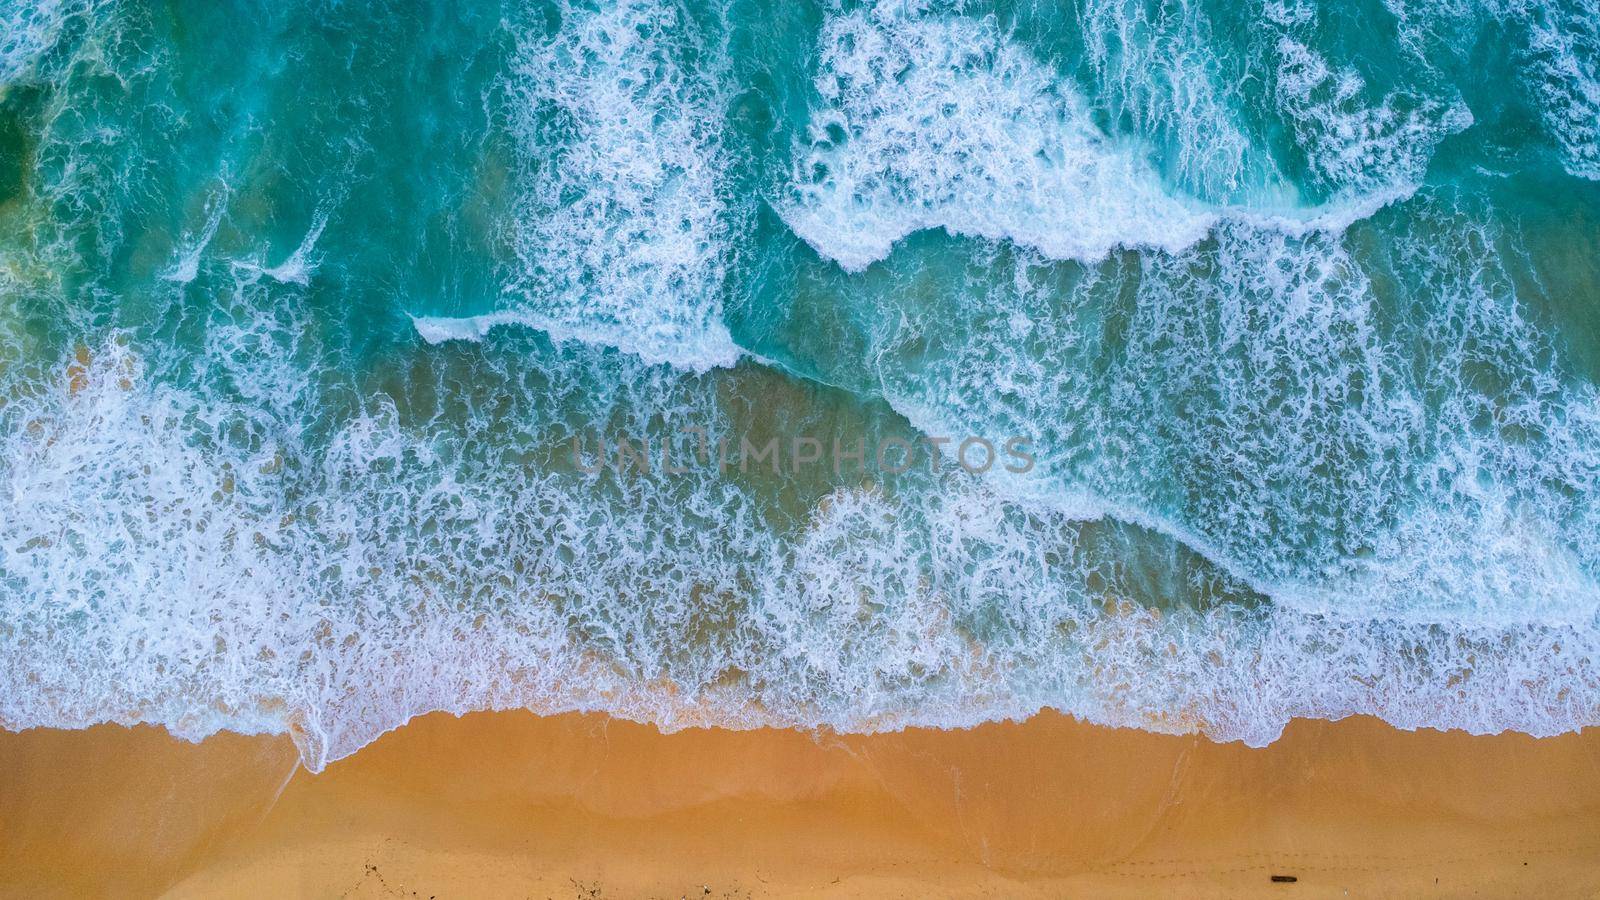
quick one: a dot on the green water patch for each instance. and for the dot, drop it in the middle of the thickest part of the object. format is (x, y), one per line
(19, 109)
(1555, 259)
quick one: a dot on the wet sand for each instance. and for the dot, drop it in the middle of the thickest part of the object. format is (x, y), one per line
(511, 804)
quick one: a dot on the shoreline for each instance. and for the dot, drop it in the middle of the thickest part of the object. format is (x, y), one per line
(580, 805)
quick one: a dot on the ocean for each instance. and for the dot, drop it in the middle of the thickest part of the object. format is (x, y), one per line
(1190, 366)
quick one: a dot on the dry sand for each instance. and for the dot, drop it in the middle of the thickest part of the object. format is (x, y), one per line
(510, 804)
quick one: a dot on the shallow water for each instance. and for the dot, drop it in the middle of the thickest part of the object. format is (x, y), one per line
(303, 309)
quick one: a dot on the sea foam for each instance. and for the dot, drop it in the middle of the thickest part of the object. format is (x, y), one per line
(927, 121)
(176, 556)
(1564, 55)
(1354, 142)
(623, 231)
(1441, 468)
(942, 122)
(28, 28)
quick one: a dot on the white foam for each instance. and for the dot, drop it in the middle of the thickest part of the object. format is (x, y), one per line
(702, 351)
(27, 29)
(1564, 51)
(184, 269)
(622, 229)
(1161, 66)
(929, 123)
(297, 267)
(1557, 53)
(1354, 146)
(1339, 475)
(185, 557)
(437, 329)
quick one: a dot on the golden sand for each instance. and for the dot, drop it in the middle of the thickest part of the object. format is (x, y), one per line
(510, 804)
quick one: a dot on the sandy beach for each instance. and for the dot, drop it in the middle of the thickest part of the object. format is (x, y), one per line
(511, 804)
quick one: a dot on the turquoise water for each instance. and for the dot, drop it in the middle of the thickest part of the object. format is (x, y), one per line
(1293, 307)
